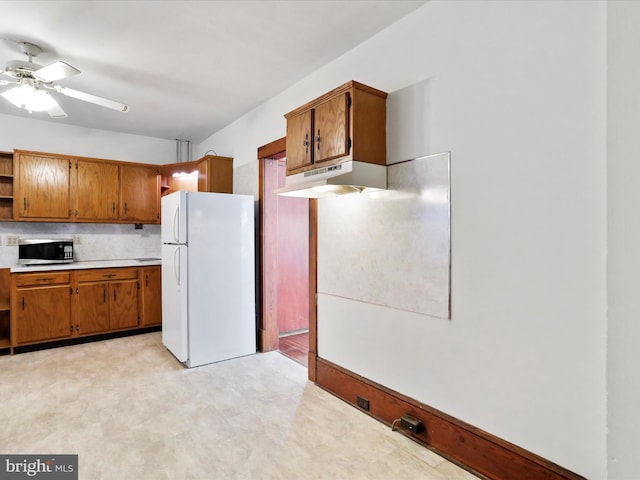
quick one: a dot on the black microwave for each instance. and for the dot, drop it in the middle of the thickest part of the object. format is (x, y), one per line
(42, 251)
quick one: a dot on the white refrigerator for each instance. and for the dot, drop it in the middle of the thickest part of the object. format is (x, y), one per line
(208, 279)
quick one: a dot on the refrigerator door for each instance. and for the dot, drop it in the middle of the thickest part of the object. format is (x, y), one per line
(174, 300)
(221, 277)
(173, 213)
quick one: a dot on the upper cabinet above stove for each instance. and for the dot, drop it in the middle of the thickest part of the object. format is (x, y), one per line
(347, 123)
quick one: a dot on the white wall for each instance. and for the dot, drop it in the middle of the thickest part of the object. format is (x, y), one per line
(41, 136)
(623, 377)
(517, 92)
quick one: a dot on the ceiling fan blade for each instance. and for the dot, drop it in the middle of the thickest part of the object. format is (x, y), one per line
(56, 112)
(87, 97)
(56, 71)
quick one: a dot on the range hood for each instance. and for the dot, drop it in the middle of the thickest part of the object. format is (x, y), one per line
(340, 179)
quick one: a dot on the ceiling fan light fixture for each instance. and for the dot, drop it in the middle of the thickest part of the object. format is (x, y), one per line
(30, 98)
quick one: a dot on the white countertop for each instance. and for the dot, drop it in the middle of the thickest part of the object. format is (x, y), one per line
(131, 262)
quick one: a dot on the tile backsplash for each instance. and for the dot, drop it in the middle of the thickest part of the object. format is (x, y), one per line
(97, 241)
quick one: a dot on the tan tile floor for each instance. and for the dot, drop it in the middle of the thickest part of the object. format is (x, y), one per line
(132, 412)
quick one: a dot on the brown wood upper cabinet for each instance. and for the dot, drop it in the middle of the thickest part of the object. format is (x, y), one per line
(211, 173)
(96, 190)
(42, 187)
(61, 188)
(348, 123)
(140, 193)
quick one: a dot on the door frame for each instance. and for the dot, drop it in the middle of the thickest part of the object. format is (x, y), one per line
(268, 335)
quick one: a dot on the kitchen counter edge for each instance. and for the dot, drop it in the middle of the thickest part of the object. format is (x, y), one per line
(82, 265)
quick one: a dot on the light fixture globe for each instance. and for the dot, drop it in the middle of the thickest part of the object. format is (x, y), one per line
(30, 97)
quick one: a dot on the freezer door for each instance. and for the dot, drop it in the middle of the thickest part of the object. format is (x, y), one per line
(175, 313)
(173, 213)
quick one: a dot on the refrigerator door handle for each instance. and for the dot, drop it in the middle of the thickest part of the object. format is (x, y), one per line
(176, 265)
(176, 225)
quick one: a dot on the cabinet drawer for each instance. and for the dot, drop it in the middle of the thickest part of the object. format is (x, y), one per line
(106, 274)
(46, 278)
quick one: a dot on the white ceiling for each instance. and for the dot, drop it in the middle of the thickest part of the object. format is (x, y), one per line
(186, 68)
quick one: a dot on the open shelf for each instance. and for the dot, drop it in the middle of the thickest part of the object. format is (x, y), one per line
(6, 186)
(5, 309)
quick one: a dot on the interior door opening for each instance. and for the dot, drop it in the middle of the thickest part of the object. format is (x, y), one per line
(286, 237)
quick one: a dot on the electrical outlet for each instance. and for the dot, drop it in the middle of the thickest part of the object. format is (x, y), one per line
(363, 403)
(411, 423)
(12, 240)
(77, 240)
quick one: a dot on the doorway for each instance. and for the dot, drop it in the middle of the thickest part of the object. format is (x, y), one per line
(288, 264)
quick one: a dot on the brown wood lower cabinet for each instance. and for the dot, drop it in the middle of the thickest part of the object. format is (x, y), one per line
(41, 307)
(107, 299)
(48, 306)
(151, 281)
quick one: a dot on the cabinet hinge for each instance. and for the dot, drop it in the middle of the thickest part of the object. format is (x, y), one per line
(348, 102)
(70, 290)
(349, 143)
(69, 164)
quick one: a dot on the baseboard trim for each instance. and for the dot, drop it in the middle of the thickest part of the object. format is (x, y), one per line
(470, 447)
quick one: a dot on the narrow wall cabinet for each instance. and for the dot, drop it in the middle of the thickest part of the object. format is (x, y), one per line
(151, 297)
(6, 186)
(347, 123)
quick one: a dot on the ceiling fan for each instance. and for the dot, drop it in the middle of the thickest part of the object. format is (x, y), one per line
(32, 84)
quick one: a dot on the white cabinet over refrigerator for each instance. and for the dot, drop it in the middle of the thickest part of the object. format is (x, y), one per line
(208, 276)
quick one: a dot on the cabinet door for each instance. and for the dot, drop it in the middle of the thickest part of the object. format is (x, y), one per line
(331, 129)
(42, 314)
(299, 140)
(43, 187)
(96, 191)
(92, 315)
(139, 194)
(151, 296)
(123, 304)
